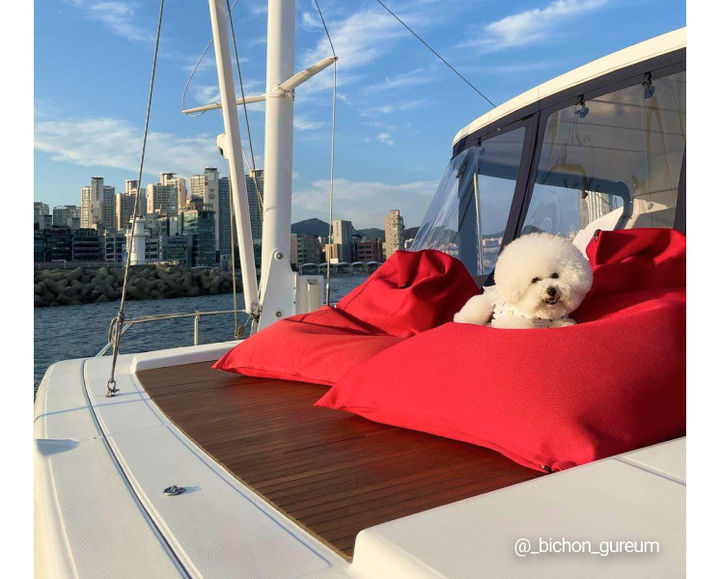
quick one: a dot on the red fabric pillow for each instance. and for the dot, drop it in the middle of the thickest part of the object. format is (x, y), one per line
(549, 399)
(411, 292)
(318, 347)
(633, 259)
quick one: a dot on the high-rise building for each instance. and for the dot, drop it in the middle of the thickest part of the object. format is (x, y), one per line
(370, 250)
(41, 210)
(131, 188)
(254, 186)
(206, 187)
(342, 232)
(224, 220)
(108, 207)
(200, 224)
(97, 208)
(305, 249)
(168, 178)
(66, 216)
(394, 232)
(162, 199)
(124, 205)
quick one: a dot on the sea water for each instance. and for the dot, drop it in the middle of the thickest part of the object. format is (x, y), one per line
(66, 332)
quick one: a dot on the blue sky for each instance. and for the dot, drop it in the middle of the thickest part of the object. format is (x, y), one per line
(398, 106)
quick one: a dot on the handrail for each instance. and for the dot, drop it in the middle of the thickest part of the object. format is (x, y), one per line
(158, 317)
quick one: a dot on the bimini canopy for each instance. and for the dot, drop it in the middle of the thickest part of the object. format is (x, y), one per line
(600, 147)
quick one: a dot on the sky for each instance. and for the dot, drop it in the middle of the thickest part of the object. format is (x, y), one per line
(398, 106)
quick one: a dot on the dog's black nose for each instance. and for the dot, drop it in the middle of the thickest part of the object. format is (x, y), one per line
(551, 291)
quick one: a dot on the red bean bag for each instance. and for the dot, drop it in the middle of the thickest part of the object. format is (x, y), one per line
(409, 293)
(552, 398)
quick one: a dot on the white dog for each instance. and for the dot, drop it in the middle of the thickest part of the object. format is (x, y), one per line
(539, 279)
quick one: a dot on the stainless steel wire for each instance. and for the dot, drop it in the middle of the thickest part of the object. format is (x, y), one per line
(112, 385)
(332, 153)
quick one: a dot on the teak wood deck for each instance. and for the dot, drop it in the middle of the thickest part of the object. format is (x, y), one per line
(332, 472)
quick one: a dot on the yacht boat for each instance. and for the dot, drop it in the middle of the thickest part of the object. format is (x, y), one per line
(188, 471)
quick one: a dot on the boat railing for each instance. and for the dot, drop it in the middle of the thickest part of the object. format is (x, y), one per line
(158, 317)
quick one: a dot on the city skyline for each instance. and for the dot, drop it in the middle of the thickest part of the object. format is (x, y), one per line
(396, 116)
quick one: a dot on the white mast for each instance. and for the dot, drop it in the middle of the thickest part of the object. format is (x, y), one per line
(277, 280)
(232, 151)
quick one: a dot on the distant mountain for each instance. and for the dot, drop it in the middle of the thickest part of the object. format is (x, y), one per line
(411, 232)
(312, 226)
(372, 232)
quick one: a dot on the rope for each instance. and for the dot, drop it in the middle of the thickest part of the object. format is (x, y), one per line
(431, 49)
(332, 152)
(117, 322)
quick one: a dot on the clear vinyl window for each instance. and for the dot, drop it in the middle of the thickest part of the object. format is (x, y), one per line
(480, 181)
(612, 162)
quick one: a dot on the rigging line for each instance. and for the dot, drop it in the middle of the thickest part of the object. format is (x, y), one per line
(118, 321)
(471, 85)
(194, 116)
(242, 94)
(194, 70)
(332, 153)
(232, 265)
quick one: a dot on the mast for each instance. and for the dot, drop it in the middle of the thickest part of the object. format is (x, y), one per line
(277, 279)
(232, 151)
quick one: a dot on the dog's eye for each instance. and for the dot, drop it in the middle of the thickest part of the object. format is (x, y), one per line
(535, 280)
(555, 276)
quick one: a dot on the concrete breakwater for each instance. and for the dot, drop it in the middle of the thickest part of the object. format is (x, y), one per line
(93, 284)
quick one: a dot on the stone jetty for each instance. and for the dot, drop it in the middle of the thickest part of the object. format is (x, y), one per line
(94, 284)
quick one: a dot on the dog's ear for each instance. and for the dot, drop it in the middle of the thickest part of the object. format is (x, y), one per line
(511, 293)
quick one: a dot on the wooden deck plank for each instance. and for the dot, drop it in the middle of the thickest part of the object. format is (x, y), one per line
(332, 472)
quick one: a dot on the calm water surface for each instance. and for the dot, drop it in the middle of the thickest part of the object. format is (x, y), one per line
(66, 332)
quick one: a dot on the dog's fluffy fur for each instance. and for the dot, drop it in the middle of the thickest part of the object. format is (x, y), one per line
(539, 279)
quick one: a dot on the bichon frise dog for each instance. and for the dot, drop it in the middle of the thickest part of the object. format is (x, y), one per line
(539, 279)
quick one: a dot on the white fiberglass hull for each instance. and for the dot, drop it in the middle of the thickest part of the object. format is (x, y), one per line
(101, 466)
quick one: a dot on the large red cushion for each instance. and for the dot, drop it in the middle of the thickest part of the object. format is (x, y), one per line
(549, 399)
(318, 347)
(411, 292)
(633, 259)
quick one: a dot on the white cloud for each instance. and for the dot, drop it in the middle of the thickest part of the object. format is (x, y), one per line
(386, 138)
(394, 107)
(114, 143)
(533, 25)
(119, 17)
(365, 203)
(302, 123)
(415, 77)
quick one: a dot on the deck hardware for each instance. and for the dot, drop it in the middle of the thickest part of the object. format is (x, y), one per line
(546, 468)
(581, 110)
(649, 86)
(173, 491)
(278, 314)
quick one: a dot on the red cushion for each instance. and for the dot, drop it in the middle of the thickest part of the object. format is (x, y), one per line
(318, 347)
(411, 292)
(548, 399)
(633, 259)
